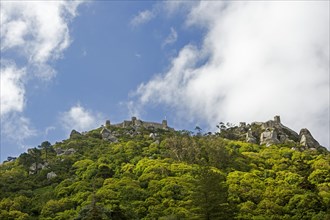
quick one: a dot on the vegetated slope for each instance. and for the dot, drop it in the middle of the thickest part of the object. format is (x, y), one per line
(165, 174)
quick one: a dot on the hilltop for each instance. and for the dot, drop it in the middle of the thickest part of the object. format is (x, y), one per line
(148, 170)
(269, 133)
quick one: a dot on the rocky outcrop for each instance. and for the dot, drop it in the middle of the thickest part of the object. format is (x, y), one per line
(51, 175)
(264, 133)
(288, 133)
(69, 151)
(60, 151)
(75, 134)
(37, 166)
(307, 140)
(250, 138)
(269, 133)
(274, 132)
(269, 137)
(105, 132)
(107, 135)
(153, 136)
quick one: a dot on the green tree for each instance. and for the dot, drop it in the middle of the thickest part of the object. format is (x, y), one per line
(53, 207)
(36, 157)
(92, 212)
(46, 146)
(304, 206)
(210, 195)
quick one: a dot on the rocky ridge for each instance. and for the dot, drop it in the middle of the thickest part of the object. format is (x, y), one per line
(133, 127)
(269, 133)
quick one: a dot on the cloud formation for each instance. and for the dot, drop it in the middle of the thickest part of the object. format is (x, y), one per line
(142, 17)
(12, 88)
(17, 128)
(37, 31)
(171, 38)
(34, 34)
(257, 60)
(81, 119)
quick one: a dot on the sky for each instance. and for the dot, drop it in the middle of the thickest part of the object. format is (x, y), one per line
(74, 64)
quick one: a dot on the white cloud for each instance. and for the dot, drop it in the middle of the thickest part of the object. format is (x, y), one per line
(173, 7)
(17, 128)
(80, 119)
(37, 31)
(258, 59)
(142, 17)
(12, 88)
(49, 129)
(34, 34)
(171, 38)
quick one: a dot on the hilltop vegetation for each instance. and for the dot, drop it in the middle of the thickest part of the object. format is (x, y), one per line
(165, 174)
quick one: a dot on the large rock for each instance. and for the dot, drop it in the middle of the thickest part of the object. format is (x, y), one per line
(37, 166)
(307, 140)
(153, 136)
(74, 134)
(269, 137)
(283, 138)
(51, 175)
(250, 138)
(289, 133)
(69, 151)
(60, 151)
(112, 139)
(107, 135)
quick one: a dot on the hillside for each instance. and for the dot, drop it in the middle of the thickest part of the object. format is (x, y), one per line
(147, 170)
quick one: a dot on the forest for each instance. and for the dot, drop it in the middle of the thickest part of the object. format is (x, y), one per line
(166, 175)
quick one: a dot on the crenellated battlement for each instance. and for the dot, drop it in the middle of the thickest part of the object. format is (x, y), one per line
(135, 122)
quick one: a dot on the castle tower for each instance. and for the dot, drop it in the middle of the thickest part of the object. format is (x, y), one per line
(164, 123)
(107, 124)
(133, 120)
(277, 119)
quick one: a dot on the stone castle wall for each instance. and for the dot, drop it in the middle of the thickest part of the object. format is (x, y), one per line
(134, 122)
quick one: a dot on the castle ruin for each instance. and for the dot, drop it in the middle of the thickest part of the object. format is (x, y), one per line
(135, 122)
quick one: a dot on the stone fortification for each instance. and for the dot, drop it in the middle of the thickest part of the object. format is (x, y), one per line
(112, 136)
(264, 133)
(274, 132)
(134, 122)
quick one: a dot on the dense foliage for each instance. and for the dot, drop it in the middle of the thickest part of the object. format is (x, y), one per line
(176, 175)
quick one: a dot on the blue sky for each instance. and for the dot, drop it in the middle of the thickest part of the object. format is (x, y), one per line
(72, 65)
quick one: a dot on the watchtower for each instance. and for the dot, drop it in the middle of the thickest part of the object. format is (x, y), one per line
(133, 121)
(277, 119)
(164, 123)
(107, 124)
